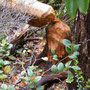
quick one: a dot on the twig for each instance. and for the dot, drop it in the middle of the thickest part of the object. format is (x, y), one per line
(32, 55)
(56, 64)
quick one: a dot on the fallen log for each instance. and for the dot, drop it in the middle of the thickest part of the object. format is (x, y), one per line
(20, 32)
(42, 13)
(47, 79)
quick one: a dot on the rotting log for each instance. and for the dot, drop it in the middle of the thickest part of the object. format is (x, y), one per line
(52, 78)
(20, 32)
(43, 14)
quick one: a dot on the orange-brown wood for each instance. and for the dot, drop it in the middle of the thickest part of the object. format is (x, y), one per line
(56, 32)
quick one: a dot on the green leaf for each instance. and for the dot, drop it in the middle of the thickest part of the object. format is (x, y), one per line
(2, 49)
(72, 56)
(11, 87)
(71, 7)
(54, 69)
(60, 66)
(66, 42)
(40, 88)
(76, 47)
(4, 86)
(83, 5)
(70, 77)
(63, 89)
(67, 65)
(68, 50)
(2, 36)
(76, 53)
(30, 85)
(33, 67)
(26, 79)
(1, 71)
(9, 46)
(7, 62)
(37, 79)
(3, 76)
(1, 62)
(53, 51)
(12, 57)
(76, 68)
(55, 57)
(4, 41)
(7, 69)
(40, 70)
(30, 72)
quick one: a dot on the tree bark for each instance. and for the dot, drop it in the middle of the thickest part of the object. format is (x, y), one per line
(82, 36)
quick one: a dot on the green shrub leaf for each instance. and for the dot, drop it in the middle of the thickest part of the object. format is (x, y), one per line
(4, 41)
(33, 67)
(30, 85)
(7, 62)
(53, 51)
(71, 7)
(76, 47)
(11, 87)
(67, 65)
(7, 69)
(37, 79)
(1, 62)
(12, 57)
(76, 68)
(68, 50)
(26, 79)
(54, 69)
(70, 77)
(40, 88)
(66, 42)
(60, 66)
(55, 57)
(4, 86)
(1, 71)
(30, 72)
(3, 76)
(83, 5)
(76, 53)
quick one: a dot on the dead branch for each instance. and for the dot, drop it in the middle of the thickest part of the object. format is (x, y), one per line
(52, 77)
(20, 32)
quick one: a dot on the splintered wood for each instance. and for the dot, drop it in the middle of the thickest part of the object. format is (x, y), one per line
(44, 14)
(41, 12)
(20, 32)
(56, 32)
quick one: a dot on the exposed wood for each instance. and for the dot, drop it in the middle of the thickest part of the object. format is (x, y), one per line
(42, 13)
(55, 33)
(20, 32)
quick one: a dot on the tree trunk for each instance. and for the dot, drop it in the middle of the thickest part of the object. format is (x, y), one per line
(82, 36)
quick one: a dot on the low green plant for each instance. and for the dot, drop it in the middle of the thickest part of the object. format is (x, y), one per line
(72, 50)
(88, 83)
(4, 56)
(6, 87)
(31, 76)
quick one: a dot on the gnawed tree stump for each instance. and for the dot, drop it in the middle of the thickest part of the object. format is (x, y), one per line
(43, 14)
